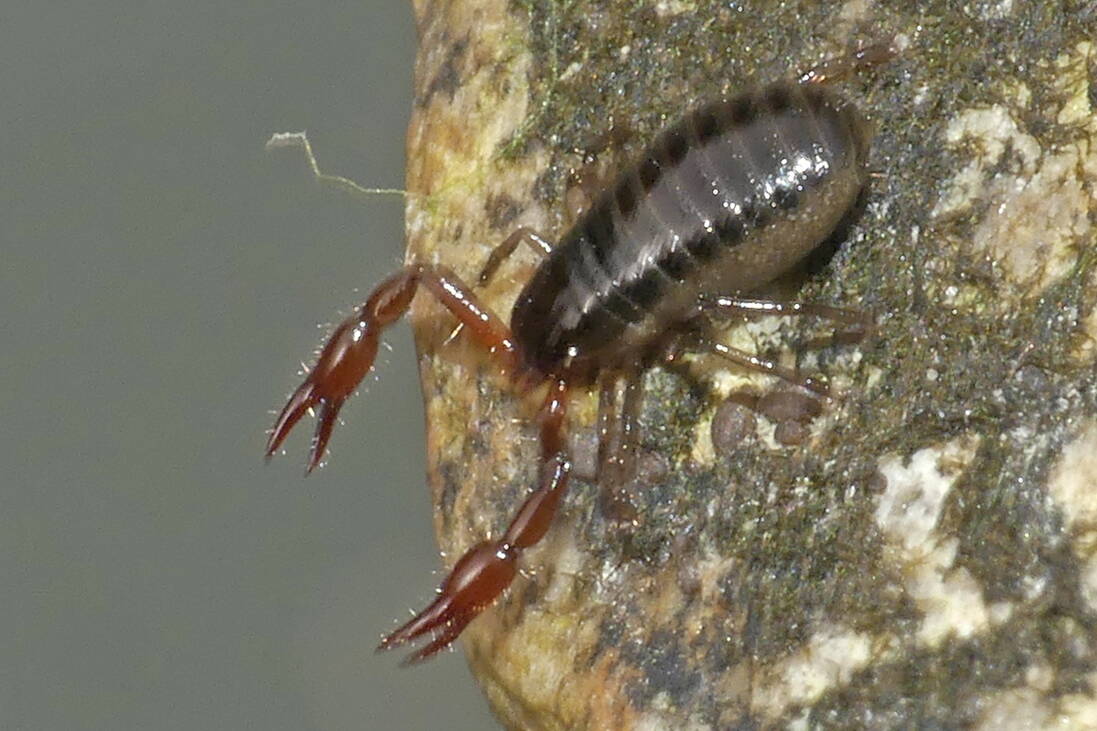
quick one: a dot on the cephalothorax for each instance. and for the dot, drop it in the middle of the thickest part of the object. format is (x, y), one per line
(732, 196)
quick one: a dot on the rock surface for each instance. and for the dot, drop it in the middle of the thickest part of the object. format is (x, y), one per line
(926, 555)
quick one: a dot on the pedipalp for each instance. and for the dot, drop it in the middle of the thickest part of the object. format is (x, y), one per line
(489, 567)
(349, 353)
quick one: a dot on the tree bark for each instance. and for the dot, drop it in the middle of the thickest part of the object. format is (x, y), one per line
(927, 555)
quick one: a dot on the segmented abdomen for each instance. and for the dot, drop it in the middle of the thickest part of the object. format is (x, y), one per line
(733, 195)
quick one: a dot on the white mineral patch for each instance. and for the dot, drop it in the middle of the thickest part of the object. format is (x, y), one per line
(1040, 201)
(1002, 9)
(1073, 487)
(951, 599)
(702, 452)
(1037, 219)
(1073, 482)
(909, 508)
(1074, 84)
(993, 130)
(854, 11)
(907, 513)
(711, 569)
(1017, 708)
(670, 8)
(1030, 708)
(1078, 710)
(830, 659)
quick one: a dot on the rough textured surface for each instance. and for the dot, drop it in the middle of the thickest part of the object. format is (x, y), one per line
(927, 555)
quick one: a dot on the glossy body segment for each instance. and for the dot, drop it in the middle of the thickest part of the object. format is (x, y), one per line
(723, 202)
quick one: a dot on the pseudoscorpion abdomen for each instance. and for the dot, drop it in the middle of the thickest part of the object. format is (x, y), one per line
(733, 195)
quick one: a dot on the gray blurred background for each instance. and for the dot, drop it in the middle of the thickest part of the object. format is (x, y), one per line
(162, 278)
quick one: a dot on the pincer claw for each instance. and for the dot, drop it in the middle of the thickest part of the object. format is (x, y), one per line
(304, 399)
(479, 577)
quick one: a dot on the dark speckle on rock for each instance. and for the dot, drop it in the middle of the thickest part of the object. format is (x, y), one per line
(665, 670)
(1033, 378)
(451, 484)
(610, 634)
(1093, 86)
(746, 723)
(651, 467)
(448, 78)
(877, 483)
(502, 210)
(549, 185)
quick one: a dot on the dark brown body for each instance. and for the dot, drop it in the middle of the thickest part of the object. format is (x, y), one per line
(732, 196)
